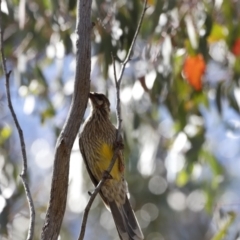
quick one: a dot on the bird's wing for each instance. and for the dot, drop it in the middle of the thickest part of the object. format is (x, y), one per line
(94, 180)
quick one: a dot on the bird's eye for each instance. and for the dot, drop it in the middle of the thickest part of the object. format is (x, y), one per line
(99, 101)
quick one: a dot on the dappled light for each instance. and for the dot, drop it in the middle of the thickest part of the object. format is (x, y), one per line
(106, 220)
(2, 202)
(20, 224)
(151, 211)
(180, 105)
(157, 185)
(196, 200)
(177, 200)
(43, 155)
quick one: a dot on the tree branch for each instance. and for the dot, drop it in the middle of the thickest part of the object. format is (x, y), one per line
(119, 122)
(59, 187)
(132, 45)
(23, 174)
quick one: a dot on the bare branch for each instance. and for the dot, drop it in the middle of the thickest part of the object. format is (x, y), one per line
(114, 69)
(132, 44)
(23, 174)
(119, 79)
(59, 187)
(119, 122)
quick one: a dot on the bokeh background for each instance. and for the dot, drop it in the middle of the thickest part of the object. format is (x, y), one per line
(180, 101)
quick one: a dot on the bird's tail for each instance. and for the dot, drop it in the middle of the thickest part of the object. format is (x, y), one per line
(126, 221)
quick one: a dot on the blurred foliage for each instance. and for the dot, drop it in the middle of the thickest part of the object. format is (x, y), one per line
(223, 231)
(186, 60)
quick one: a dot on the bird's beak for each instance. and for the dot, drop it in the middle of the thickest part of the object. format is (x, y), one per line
(91, 96)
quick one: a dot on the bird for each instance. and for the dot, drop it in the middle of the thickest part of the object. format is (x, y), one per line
(96, 141)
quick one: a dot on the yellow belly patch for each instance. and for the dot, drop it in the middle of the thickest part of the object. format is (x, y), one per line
(106, 153)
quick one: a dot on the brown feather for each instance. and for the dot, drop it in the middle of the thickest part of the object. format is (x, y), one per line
(98, 130)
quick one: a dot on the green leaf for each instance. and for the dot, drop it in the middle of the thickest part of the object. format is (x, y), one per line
(67, 42)
(72, 5)
(157, 87)
(236, 66)
(190, 50)
(170, 4)
(216, 167)
(136, 121)
(182, 115)
(218, 32)
(182, 178)
(223, 231)
(48, 113)
(196, 141)
(208, 25)
(6, 132)
(200, 98)
(40, 75)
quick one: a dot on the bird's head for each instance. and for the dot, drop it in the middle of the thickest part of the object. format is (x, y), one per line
(99, 103)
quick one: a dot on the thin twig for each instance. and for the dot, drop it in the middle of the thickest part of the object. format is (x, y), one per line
(118, 105)
(23, 174)
(119, 127)
(114, 69)
(119, 79)
(132, 44)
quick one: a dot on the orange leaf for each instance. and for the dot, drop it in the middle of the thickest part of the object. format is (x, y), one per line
(151, 2)
(236, 47)
(193, 69)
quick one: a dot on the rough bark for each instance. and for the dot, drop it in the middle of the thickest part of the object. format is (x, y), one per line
(59, 187)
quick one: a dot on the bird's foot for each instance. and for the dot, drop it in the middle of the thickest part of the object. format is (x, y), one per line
(107, 175)
(90, 193)
(119, 145)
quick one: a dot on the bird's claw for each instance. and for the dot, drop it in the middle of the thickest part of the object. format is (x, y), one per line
(107, 175)
(90, 193)
(119, 145)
